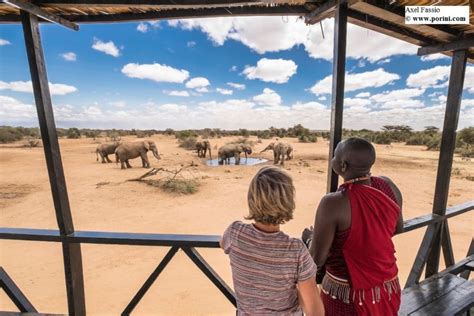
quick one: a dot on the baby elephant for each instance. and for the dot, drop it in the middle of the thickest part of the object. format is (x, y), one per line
(127, 151)
(280, 150)
(103, 150)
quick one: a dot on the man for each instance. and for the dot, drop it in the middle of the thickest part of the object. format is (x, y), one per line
(352, 236)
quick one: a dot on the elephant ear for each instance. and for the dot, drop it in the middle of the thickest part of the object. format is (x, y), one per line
(147, 145)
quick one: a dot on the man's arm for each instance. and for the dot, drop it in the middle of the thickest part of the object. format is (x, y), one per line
(399, 198)
(325, 226)
(309, 298)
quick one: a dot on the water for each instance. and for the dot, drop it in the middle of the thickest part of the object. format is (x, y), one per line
(243, 161)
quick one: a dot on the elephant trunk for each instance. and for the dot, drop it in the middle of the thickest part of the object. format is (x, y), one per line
(97, 155)
(155, 153)
(210, 157)
(116, 158)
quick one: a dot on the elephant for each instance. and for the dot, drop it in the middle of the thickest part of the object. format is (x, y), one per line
(127, 151)
(103, 150)
(202, 147)
(232, 150)
(279, 151)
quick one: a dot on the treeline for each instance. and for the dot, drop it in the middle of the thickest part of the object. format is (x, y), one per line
(429, 137)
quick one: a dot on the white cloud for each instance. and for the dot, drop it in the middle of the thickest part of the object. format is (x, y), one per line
(176, 93)
(202, 90)
(429, 78)
(70, 56)
(357, 81)
(191, 44)
(238, 86)
(224, 91)
(268, 97)
(438, 77)
(142, 27)
(356, 102)
(12, 110)
(271, 70)
(118, 104)
(4, 42)
(363, 95)
(401, 94)
(322, 98)
(253, 32)
(173, 108)
(384, 61)
(155, 72)
(27, 86)
(433, 57)
(233, 68)
(108, 48)
(197, 83)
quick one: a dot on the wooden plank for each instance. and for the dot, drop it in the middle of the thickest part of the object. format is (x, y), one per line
(325, 10)
(422, 255)
(199, 261)
(338, 81)
(15, 294)
(447, 245)
(420, 295)
(396, 16)
(428, 219)
(149, 281)
(455, 302)
(111, 238)
(71, 253)
(470, 252)
(448, 144)
(150, 3)
(465, 43)
(35, 10)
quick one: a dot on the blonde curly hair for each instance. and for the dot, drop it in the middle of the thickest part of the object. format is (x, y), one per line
(271, 197)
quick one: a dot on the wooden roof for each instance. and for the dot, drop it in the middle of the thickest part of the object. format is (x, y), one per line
(385, 16)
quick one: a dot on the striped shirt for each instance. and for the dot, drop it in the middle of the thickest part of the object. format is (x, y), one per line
(265, 269)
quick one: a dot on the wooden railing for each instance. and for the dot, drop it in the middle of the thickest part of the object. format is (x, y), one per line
(189, 243)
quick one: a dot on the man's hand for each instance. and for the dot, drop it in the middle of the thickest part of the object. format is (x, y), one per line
(307, 236)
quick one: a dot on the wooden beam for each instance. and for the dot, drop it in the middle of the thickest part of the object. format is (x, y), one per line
(180, 14)
(149, 282)
(422, 255)
(15, 294)
(151, 3)
(35, 10)
(338, 81)
(448, 144)
(325, 10)
(470, 253)
(464, 43)
(71, 253)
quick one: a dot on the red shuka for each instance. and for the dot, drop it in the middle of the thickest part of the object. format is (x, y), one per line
(369, 251)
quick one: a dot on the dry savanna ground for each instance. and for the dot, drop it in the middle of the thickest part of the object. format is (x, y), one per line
(102, 199)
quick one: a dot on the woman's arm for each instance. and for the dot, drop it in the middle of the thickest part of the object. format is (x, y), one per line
(309, 298)
(399, 198)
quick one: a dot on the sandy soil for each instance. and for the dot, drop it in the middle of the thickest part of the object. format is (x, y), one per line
(113, 274)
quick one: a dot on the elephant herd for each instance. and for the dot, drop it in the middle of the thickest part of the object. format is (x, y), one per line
(125, 151)
(130, 150)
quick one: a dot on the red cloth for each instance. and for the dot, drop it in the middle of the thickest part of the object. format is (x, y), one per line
(369, 251)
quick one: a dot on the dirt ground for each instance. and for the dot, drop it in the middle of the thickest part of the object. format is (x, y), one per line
(113, 274)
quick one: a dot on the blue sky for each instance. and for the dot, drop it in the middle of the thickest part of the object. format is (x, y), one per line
(226, 73)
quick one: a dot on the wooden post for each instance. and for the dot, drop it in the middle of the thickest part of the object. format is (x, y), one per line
(71, 252)
(448, 144)
(338, 79)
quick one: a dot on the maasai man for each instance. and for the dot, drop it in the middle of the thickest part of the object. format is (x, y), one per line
(352, 239)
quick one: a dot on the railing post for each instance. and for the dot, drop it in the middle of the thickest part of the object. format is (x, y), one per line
(71, 252)
(445, 163)
(338, 79)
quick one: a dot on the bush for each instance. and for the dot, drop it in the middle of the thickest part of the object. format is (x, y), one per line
(466, 135)
(73, 133)
(32, 142)
(382, 138)
(466, 152)
(185, 134)
(307, 139)
(419, 139)
(188, 143)
(181, 186)
(434, 143)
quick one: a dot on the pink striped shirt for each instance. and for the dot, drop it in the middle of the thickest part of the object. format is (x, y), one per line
(266, 268)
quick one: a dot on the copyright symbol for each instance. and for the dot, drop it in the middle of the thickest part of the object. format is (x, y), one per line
(408, 18)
